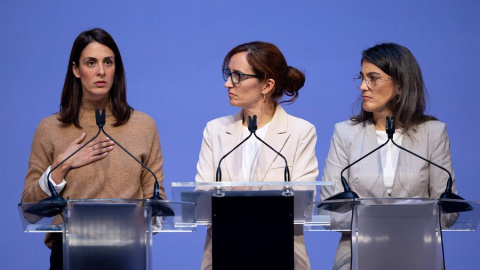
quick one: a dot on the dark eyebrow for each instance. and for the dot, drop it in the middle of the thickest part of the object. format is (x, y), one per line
(89, 59)
(373, 73)
(238, 71)
(95, 59)
(370, 73)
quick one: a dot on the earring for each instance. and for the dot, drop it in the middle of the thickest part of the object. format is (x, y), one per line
(263, 98)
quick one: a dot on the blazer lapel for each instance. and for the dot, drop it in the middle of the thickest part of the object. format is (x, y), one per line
(372, 165)
(277, 136)
(232, 136)
(405, 164)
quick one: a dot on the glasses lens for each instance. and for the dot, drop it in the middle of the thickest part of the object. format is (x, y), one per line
(236, 77)
(226, 73)
(357, 81)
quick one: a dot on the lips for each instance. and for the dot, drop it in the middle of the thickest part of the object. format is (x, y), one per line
(100, 83)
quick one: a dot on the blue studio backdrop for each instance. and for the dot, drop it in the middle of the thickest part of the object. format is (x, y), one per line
(172, 52)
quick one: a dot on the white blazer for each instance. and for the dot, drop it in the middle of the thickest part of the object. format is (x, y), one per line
(295, 138)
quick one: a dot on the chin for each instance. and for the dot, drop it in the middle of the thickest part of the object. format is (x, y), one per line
(235, 104)
(368, 109)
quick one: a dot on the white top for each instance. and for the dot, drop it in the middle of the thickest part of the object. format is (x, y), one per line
(389, 156)
(251, 152)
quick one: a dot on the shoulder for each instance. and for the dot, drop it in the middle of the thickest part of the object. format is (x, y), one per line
(282, 119)
(141, 119)
(433, 125)
(297, 123)
(349, 127)
(141, 116)
(222, 121)
(432, 129)
(49, 124)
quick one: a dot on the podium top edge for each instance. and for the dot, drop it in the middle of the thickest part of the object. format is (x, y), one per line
(252, 184)
(111, 200)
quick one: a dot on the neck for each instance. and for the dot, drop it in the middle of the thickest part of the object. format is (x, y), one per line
(95, 104)
(264, 114)
(379, 120)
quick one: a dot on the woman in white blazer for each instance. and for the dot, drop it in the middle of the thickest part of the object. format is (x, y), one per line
(257, 76)
(391, 84)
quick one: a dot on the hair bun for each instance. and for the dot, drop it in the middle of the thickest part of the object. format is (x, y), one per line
(295, 81)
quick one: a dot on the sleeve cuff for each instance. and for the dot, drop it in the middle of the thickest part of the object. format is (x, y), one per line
(44, 184)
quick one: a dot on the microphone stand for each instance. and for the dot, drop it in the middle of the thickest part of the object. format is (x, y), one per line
(252, 126)
(348, 193)
(158, 208)
(287, 190)
(447, 206)
(55, 204)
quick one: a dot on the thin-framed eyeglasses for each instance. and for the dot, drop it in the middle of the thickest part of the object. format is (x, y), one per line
(371, 82)
(236, 77)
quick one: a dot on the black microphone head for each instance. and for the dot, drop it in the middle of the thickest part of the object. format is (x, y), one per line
(102, 117)
(390, 127)
(98, 118)
(252, 123)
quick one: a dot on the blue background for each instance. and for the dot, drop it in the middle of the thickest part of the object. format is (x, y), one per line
(173, 50)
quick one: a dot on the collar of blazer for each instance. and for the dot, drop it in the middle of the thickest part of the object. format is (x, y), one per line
(277, 137)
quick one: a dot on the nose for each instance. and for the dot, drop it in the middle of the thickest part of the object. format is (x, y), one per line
(101, 70)
(228, 83)
(364, 86)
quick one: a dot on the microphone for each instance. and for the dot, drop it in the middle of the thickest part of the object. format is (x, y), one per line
(286, 174)
(348, 193)
(54, 205)
(447, 206)
(159, 209)
(287, 191)
(252, 127)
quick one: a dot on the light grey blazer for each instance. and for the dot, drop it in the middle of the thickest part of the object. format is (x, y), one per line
(413, 176)
(295, 138)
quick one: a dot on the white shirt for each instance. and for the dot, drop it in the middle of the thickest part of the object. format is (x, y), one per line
(389, 156)
(43, 182)
(251, 152)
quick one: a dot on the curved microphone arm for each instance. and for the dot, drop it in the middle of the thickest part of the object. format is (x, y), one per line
(347, 192)
(449, 183)
(344, 181)
(218, 177)
(156, 192)
(50, 185)
(158, 208)
(252, 127)
(286, 175)
(447, 206)
(54, 204)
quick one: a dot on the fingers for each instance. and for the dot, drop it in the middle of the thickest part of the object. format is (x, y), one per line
(98, 157)
(101, 146)
(102, 143)
(80, 139)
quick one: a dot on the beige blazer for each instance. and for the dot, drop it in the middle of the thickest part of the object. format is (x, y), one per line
(295, 138)
(413, 176)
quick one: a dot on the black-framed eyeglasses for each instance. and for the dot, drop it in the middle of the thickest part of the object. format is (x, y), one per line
(371, 83)
(236, 77)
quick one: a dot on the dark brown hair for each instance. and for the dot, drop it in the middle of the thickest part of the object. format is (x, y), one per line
(409, 100)
(268, 62)
(71, 100)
